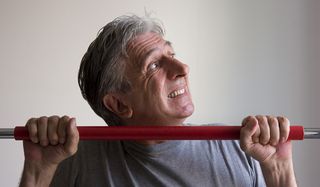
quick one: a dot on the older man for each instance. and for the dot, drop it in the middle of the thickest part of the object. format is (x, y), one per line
(130, 76)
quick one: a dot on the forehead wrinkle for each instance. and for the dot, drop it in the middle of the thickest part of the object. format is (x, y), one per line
(165, 43)
(143, 42)
(148, 53)
(141, 50)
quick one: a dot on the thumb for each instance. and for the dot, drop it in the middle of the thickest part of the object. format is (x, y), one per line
(71, 145)
(248, 133)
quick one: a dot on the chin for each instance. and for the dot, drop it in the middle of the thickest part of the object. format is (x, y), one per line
(187, 111)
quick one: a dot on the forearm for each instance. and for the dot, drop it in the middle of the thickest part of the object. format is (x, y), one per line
(279, 174)
(37, 176)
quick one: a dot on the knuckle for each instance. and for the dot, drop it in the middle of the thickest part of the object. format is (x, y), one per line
(264, 118)
(30, 121)
(250, 119)
(273, 121)
(261, 119)
(244, 121)
(42, 120)
(65, 118)
(285, 123)
(283, 119)
(259, 116)
(53, 118)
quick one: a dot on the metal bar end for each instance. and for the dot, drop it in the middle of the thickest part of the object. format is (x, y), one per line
(6, 133)
(311, 133)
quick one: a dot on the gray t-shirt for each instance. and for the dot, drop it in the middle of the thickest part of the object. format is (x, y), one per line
(186, 163)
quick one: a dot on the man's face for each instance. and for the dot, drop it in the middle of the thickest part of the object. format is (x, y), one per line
(160, 91)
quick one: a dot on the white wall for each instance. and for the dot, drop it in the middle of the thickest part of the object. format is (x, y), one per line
(246, 57)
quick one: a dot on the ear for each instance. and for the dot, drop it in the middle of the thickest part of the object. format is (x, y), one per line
(115, 104)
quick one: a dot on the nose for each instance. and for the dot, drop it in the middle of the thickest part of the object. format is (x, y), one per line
(177, 69)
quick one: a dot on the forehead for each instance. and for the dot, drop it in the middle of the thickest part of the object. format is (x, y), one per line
(143, 39)
(146, 43)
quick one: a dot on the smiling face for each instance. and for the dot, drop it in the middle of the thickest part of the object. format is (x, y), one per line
(160, 89)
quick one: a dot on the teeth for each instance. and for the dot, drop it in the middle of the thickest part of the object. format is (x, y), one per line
(176, 93)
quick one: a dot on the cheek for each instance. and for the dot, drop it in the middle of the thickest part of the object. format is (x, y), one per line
(157, 88)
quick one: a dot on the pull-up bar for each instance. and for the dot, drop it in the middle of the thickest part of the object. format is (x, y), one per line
(161, 133)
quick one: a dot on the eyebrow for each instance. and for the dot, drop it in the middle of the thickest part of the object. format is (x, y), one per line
(167, 43)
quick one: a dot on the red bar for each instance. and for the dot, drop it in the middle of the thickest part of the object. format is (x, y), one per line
(160, 133)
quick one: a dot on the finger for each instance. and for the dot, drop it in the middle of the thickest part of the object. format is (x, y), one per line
(72, 141)
(62, 129)
(284, 125)
(53, 122)
(257, 133)
(264, 129)
(245, 120)
(274, 130)
(42, 124)
(246, 135)
(251, 120)
(33, 130)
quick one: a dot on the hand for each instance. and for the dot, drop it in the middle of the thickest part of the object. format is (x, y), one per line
(53, 139)
(265, 138)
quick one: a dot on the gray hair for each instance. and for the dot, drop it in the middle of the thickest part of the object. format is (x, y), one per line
(102, 68)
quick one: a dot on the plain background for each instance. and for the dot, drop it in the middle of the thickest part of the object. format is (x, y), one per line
(246, 57)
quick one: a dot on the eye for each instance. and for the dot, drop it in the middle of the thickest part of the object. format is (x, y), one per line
(172, 55)
(153, 66)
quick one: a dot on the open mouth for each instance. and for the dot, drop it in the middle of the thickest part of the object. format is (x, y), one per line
(176, 93)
